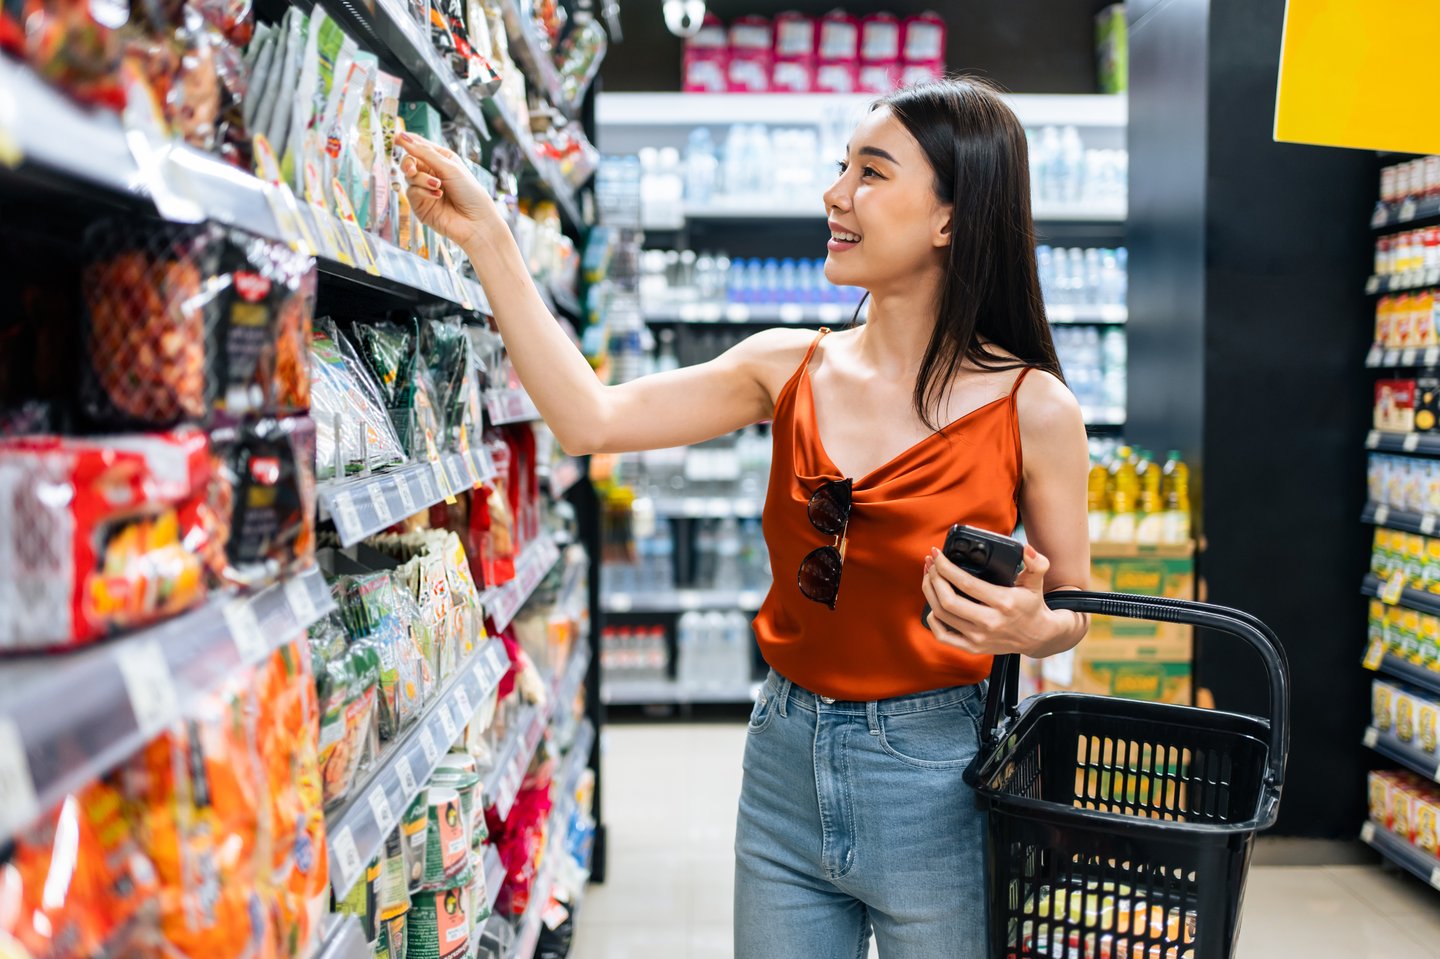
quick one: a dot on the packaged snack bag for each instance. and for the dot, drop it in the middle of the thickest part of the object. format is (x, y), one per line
(1382, 701)
(126, 545)
(352, 427)
(271, 491)
(72, 44)
(1379, 793)
(347, 680)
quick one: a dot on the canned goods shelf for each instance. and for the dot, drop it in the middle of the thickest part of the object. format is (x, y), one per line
(1408, 857)
(1406, 754)
(358, 829)
(364, 505)
(67, 719)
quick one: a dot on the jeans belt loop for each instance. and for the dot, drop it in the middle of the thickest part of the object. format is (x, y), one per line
(872, 717)
(783, 695)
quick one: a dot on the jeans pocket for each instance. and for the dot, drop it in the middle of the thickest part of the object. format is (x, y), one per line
(939, 738)
(763, 711)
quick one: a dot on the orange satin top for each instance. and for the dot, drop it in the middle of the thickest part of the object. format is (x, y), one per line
(873, 645)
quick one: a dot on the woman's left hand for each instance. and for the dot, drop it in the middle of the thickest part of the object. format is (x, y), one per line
(992, 620)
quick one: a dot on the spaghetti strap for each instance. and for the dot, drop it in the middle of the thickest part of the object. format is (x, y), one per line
(1015, 390)
(810, 353)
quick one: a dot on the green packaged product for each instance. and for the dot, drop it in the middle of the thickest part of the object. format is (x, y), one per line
(362, 901)
(347, 686)
(413, 827)
(440, 924)
(447, 837)
(393, 893)
(479, 900)
(394, 941)
(423, 119)
(467, 785)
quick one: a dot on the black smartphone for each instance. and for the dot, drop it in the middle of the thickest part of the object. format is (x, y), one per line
(985, 555)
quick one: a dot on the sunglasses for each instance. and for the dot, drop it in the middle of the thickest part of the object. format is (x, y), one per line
(829, 513)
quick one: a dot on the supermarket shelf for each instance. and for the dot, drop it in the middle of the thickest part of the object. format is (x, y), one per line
(634, 692)
(1409, 598)
(1381, 515)
(550, 180)
(564, 475)
(344, 939)
(683, 601)
(529, 928)
(1408, 857)
(67, 719)
(358, 829)
(832, 314)
(54, 134)
(1088, 314)
(576, 760)
(503, 782)
(534, 57)
(1096, 213)
(1389, 215)
(708, 507)
(807, 109)
(1103, 415)
(1380, 357)
(510, 406)
(567, 683)
(1427, 443)
(502, 603)
(1413, 280)
(1406, 754)
(494, 876)
(566, 301)
(362, 506)
(1401, 668)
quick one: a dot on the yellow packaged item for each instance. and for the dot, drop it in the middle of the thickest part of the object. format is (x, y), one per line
(1382, 703)
(1404, 716)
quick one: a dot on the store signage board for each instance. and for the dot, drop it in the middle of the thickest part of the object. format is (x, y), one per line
(1342, 84)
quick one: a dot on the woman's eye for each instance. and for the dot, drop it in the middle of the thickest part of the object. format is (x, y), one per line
(869, 171)
(841, 165)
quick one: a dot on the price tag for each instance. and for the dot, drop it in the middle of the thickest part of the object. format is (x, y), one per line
(1432, 355)
(1407, 211)
(469, 463)
(346, 517)
(1374, 655)
(1382, 514)
(428, 747)
(407, 499)
(245, 630)
(148, 684)
(481, 676)
(380, 503)
(457, 475)
(427, 487)
(1427, 524)
(1375, 357)
(442, 482)
(1408, 357)
(1372, 285)
(1391, 358)
(1372, 440)
(407, 777)
(447, 723)
(1394, 587)
(1435, 878)
(791, 313)
(302, 607)
(1412, 442)
(1367, 832)
(462, 700)
(1372, 736)
(380, 806)
(347, 857)
(18, 802)
(462, 295)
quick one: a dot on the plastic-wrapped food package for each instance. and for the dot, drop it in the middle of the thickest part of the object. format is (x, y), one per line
(102, 535)
(391, 350)
(352, 427)
(580, 57)
(189, 320)
(346, 679)
(447, 351)
(74, 884)
(74, 44)
(377, 615)
(269, 485)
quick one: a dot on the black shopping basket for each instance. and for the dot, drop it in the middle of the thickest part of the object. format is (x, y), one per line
(1121, 829)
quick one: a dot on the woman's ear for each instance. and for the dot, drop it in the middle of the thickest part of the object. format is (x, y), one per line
(943, 226)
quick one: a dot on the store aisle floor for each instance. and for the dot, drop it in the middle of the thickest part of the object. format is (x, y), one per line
(670, 795)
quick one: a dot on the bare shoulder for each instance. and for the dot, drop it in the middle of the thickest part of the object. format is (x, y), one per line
(1048, 411)
(774, 355)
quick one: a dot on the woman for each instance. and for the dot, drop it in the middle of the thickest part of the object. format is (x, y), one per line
(853, 814)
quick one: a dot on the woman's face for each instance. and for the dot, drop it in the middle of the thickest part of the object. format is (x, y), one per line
(886, 223)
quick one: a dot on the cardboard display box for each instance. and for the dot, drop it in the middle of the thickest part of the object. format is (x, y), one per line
(1126, 657)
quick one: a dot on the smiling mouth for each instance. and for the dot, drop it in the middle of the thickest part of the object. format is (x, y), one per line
(844, 237)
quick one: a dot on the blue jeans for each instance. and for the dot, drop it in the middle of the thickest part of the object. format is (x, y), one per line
(855, 816)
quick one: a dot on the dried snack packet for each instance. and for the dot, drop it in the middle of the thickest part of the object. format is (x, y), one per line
(353, 429)
(267, 466)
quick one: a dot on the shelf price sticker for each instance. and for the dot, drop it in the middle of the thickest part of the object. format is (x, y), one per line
(347, 857)
(346, 517)
(148, 684)
(380, 806)
(1367, 832)
(302, 606)
(428, 747)
(1372, 440)
(407, 498)
(380, 503)
(1372, 736)
(462, 700)
(1435, 878)
(1409, 356)
(1375, 357)
(1374, 655)
(1392, 590)
(18, 802)
(447, 723)
(406, 774)
(245, 630)
(1412, 442)
(1382, 514)
(1427, 524)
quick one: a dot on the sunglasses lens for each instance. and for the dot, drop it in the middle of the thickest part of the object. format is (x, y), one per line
(830, 507)
(820, 575)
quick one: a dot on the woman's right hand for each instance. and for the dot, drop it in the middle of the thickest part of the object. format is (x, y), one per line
(445, 195)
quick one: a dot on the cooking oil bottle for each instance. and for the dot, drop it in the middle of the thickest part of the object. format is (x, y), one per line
(1175, 489)
(1124, 496)
(1098, 494)
(1150, 528)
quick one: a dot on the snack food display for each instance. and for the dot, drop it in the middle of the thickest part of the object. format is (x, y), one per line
(101, 535)
(353, 430)
(269, 483)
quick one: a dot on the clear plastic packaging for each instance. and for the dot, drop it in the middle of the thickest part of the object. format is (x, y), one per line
(352, 427)
(580, 57)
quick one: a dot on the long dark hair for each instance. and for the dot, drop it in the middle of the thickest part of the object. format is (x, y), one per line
(976, 146)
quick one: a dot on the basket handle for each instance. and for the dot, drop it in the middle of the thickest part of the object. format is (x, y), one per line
(1005, 675)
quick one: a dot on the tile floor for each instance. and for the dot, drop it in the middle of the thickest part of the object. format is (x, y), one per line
(670, 795)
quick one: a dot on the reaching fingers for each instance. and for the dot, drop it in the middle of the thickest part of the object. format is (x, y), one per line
(441, 161)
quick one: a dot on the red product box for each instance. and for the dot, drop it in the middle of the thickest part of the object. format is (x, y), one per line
(879, 38)
(707, 58)
(924, 40)
(752, 35)
(839, 37)
(1395, 406)
(794, 37)
(793, 76)
(748, 72)
(837, 77)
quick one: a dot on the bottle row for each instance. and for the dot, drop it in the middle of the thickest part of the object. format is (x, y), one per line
(1408, 251)
(1415, 180)
(725, 554)
(1407, 320)
(1094, 364)
(713, 651)
(1134, 499)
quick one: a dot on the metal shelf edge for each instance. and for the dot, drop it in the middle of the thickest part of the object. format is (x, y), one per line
(1403, 854)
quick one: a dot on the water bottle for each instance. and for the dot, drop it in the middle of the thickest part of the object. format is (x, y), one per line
(688, 638)
(1073, 152)
(789, 281)
(716, 651)
(770, 281)
(662, 560)
(737, 652)
(727, 555)
(700, 167)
